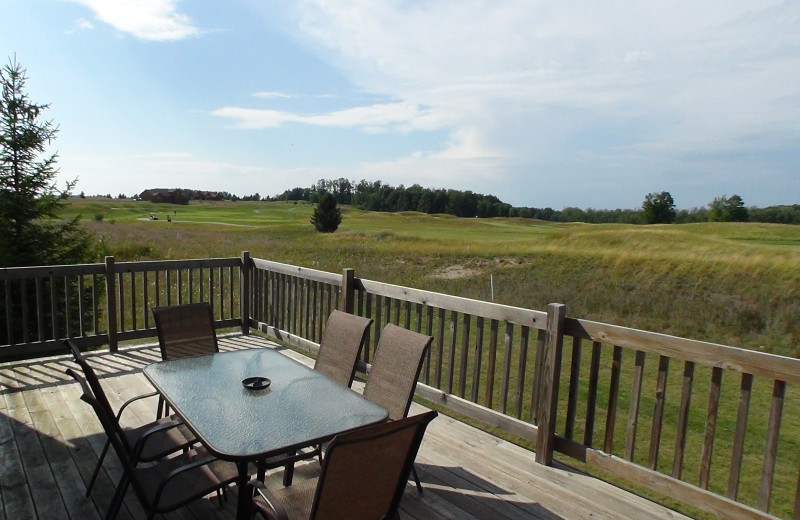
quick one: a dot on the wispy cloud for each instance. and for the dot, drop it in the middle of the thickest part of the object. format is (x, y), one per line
(157, 20)
(269, 95)
(382, 117)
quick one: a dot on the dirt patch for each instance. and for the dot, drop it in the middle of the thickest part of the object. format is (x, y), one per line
(454, 272)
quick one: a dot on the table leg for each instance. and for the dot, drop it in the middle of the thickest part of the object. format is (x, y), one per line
(243, 504)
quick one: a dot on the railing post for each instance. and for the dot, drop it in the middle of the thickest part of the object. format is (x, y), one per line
(551, 373)
(111, 303)
(348, 290)
(244, 292)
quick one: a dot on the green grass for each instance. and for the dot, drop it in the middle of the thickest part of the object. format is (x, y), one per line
(735, 284)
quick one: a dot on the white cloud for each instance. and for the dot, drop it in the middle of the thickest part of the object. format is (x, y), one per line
(380, 117)
(269, 95)
(157, 20)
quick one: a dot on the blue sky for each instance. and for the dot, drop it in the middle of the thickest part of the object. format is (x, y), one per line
(570, 103)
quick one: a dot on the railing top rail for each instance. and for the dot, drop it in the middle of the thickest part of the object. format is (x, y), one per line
(16, 273)
(302, 272)
(156, 265)
(493, 311)
(763, 364)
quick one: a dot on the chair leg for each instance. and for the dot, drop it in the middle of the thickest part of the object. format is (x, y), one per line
(116, 501)
(288, 474)
(161, 411)
(416, 478)
(97, 469)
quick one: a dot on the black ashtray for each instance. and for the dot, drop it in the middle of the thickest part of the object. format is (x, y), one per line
(256, 383)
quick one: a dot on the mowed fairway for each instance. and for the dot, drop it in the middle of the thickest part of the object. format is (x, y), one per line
(737, 284)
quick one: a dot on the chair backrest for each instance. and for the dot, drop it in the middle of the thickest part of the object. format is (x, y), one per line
(365, 472)
(395, 369)
(185, 330)
(340, 346)
(95, 396)
(97, 393)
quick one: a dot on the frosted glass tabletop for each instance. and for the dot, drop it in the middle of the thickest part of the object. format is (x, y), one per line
(301, 407)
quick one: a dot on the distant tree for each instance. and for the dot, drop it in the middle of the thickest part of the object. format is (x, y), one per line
(659, 208)
(327, 215)
(728, 209)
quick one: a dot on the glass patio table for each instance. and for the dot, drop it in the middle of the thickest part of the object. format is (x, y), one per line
(299, 408)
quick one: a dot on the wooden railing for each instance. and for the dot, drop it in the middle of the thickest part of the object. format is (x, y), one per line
(107, 303)
(711, 426)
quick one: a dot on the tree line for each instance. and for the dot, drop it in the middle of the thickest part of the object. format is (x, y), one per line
(656, 207)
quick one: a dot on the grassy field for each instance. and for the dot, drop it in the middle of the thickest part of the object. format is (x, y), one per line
(735, 284)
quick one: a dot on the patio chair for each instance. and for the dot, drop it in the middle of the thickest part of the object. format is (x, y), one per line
(183, 331)
(363, 476)
(340, 346)
(395, 370)
(158, 438)
(165, 485)
(337, 358)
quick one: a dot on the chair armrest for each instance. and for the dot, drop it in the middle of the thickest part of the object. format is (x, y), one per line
(277, 511)
(133, 399)
(138, 448)
(202, 461)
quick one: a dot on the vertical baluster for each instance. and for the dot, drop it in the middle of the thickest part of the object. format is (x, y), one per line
(490, 364)
(53, 308)
(39, 310)
(574, 379)
(613, 400)
(464, 361)
(478, 356)
(67, 309)
(145, 300)
(508, 347)
(771, 447)
(591, 398)
(81, 307)
(121, 310)
(439, 350)
(711, 426)
(232, 291)
(658, 411)
(26, 336)
(368, 314)
(212, 293)
(451, 359)
(683, 419)
(133, 300)
(633, 412)
(95, 306)
(9, 315)
(429, 354)
(742, 415)
(521, 368)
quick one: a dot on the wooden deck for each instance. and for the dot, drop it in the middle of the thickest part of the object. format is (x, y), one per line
(50, 440)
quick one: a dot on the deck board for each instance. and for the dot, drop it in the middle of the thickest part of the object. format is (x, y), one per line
(50, 442)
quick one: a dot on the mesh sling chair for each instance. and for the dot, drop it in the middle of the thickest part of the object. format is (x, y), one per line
(162, 486)
(158, 438)
(395, 370)
(183, 331)
(363, 476)
(338, 353)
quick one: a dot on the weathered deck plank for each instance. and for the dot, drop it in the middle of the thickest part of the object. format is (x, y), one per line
(50, 442)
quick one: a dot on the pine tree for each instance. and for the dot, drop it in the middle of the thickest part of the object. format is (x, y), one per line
(327, 215)
(30, 202)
